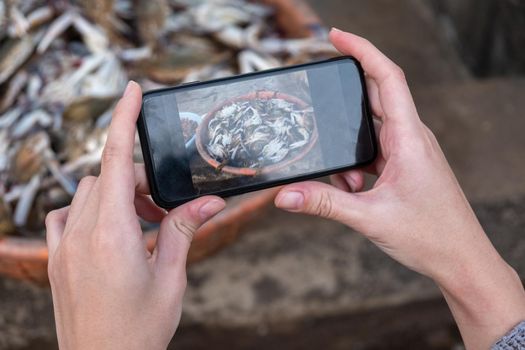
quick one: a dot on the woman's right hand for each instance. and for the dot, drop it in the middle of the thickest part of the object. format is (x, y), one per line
(416, 211)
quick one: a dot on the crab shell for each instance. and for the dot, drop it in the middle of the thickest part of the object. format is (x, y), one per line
(202, 134)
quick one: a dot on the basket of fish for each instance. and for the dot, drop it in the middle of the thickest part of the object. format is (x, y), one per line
(257, 133)
(63, 65)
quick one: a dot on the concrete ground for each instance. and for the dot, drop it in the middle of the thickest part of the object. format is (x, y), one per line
(298, 282)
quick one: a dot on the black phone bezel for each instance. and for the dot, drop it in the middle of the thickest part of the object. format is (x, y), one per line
(145, 142)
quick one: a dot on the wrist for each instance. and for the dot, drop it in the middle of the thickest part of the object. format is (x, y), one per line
(479, 296)
(485, 295)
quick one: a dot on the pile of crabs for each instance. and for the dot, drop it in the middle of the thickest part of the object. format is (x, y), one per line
(258, 133)
(63, 64)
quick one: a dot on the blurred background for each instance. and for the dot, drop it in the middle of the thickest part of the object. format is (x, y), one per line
(259, 278)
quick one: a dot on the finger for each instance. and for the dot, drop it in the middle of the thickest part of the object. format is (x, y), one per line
(141, 180)
(55, 224)
(394, 94)
(349, 181)
(320, 199)
(355, 179)
(339, 182)
(373, 97)
(144, 205)
(177, 230)
(80, 198)
(147, 209)
(376, 168)
(117, 168)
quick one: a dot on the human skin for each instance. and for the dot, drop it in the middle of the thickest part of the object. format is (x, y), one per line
(416, 211)
(109, 292)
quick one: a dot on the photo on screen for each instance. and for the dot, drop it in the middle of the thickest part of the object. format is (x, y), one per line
(250, 131)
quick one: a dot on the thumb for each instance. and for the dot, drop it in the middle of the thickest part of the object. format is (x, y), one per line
(178, 227)
(320, 199)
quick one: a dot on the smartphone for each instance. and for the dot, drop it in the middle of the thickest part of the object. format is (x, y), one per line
(249, 132)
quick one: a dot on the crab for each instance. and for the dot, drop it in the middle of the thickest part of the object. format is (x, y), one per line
(256, 133)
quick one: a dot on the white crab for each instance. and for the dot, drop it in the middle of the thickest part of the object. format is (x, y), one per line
(275, 151)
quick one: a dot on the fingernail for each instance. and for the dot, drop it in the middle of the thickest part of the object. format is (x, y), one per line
(211, 208)
(334, 29)
(128, 88)
(290, 200)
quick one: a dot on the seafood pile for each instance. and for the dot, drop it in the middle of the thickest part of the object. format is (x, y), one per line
(64, 63)
(259, 132)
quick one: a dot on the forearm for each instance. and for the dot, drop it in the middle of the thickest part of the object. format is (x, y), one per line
(485, 295)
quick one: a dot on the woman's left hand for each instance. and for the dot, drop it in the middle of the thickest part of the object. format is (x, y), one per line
(109, 292)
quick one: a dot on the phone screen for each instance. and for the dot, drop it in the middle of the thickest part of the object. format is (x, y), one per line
(248, 132)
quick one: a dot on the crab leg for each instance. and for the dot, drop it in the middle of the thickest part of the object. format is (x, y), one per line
(27, 197)
(55, 30)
